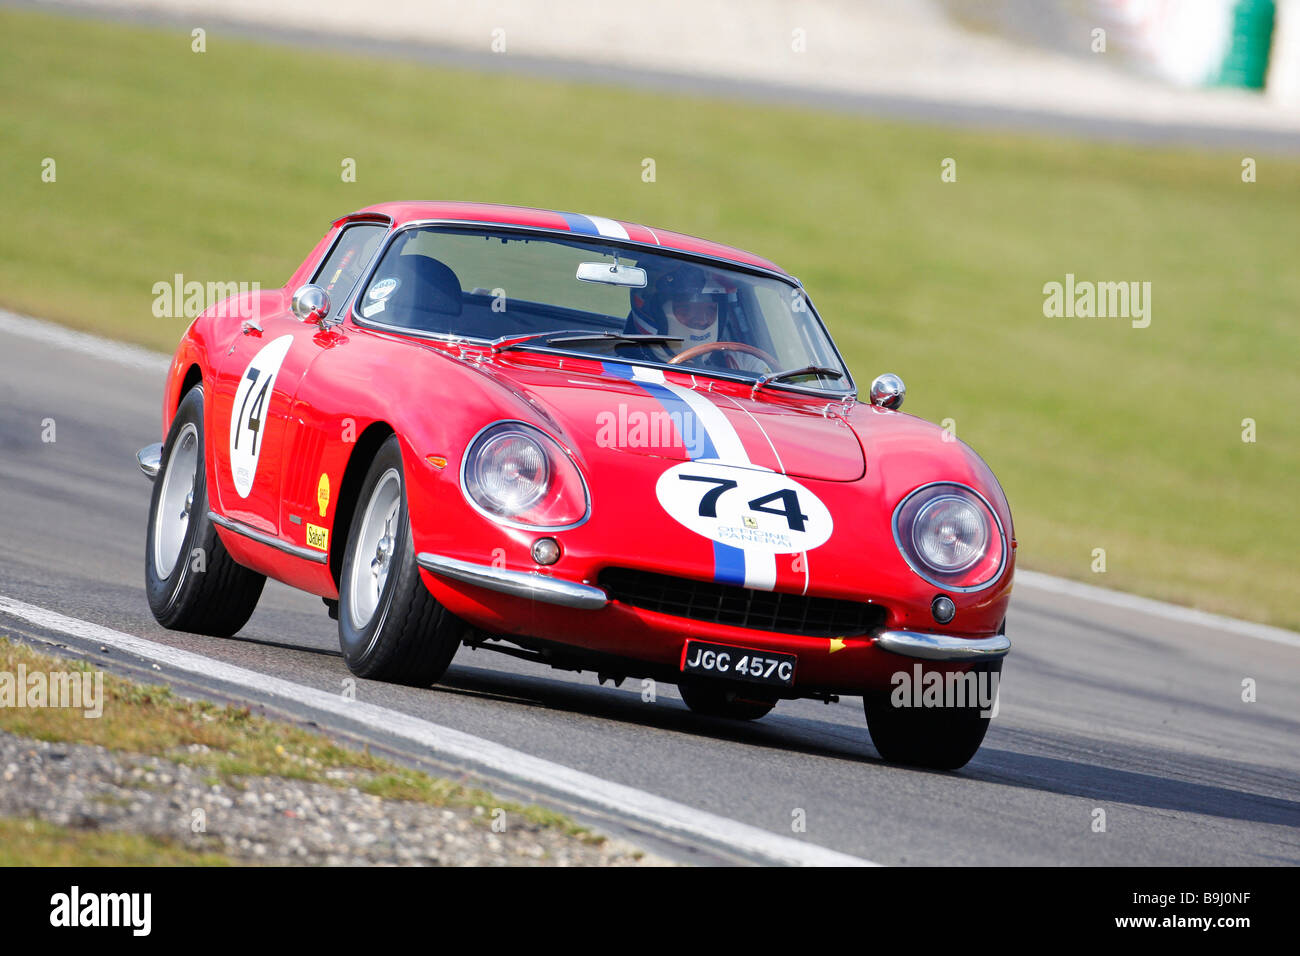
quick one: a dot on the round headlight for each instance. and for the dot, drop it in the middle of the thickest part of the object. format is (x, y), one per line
(950, 534)
(509, 473)
(515, 473)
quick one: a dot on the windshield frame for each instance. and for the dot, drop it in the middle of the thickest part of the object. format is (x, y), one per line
(847, 389)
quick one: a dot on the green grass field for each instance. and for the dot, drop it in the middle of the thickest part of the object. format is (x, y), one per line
(225, 166)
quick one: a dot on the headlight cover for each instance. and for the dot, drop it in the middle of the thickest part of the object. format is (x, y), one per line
(516, 474)
(950, 536)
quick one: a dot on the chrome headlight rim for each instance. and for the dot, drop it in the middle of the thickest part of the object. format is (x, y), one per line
(940, 579)
(539, 435)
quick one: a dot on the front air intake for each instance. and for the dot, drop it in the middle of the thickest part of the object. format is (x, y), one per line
(741, 607)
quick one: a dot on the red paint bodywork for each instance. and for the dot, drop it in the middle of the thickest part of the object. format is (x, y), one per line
(861, 461)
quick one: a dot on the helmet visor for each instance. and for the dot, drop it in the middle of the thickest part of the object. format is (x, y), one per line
(695, 314)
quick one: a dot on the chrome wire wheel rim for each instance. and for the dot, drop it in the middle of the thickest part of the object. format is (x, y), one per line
(176, 501)
(373, 549)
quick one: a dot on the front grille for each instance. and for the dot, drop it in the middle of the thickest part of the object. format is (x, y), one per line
(741, 607)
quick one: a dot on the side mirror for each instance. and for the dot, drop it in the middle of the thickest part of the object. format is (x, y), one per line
(311, 303)
(888, 391)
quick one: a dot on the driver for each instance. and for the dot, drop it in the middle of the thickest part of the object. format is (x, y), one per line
(686, 303)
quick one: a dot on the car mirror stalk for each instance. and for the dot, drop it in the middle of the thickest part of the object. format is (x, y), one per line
(311, 303)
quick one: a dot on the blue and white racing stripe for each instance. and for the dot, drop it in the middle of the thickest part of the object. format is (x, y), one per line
(709, 437)
(594, 225)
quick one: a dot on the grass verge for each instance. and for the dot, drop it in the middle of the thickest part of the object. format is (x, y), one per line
(231, 743)
(38, 843)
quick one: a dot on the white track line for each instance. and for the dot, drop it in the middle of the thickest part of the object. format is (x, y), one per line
(137, 358)
(626, 802)
(1170, 612)
(129, 356)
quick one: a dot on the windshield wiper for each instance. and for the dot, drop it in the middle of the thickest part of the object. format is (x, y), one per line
(578, 335)
(511, 341)
(620, 337)
(772, 377)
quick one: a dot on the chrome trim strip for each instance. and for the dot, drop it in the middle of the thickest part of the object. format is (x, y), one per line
(368, 274)
(149, 458)
(261, 537)
(942, 647)
(523, 584)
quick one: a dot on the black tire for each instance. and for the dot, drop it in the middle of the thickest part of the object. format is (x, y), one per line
(408, 637)
(219, 599)
(939, 738)
(712, 701)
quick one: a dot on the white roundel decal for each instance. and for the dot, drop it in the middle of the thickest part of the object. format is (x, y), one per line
(384, 288)
(252, 405)
(756, 511)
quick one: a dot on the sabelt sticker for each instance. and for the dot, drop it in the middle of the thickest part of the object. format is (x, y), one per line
(759, 512)
(384, 288)
(251, 408)
(317, 537)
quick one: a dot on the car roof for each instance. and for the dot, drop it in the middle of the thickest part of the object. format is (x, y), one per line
(403, 212)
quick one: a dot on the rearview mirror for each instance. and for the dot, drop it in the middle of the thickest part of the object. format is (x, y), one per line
(311, 303)
(612, 273)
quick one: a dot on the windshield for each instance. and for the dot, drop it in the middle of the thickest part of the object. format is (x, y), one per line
(631, 304)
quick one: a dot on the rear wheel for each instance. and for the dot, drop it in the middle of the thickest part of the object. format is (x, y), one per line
(941, 738)
(390, 627)
(192, 582)
(723, 702)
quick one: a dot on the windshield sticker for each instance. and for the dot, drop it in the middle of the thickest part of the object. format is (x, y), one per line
(374, 308)
(384, 288)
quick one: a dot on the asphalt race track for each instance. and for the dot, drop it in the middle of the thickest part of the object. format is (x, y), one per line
(1138, 714)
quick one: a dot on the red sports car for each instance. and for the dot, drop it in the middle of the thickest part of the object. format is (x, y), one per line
(590, 443)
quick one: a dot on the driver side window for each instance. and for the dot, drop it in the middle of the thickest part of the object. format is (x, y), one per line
(344, 263)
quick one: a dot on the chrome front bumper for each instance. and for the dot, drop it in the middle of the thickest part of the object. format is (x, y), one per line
(525, 584)
(539, 587)
(149, 458)
(943, 647)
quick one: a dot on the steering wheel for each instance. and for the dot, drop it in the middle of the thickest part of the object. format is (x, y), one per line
(695, 350)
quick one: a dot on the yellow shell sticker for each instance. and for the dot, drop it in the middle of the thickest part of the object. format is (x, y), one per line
(318, 537)
(323, 493)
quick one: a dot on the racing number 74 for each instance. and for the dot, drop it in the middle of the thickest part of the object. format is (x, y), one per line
(789, 501)
(254, 420)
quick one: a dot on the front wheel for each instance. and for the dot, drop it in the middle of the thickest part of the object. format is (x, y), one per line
(192, 582)
(723, 702)
(390, 627)
(940, 738)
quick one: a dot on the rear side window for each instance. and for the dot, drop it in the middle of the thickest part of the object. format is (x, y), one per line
(345, 262)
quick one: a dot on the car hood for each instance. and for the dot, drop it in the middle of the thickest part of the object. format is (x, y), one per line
(625, 410)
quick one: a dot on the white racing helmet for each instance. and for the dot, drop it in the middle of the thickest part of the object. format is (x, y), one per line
(686, 303)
